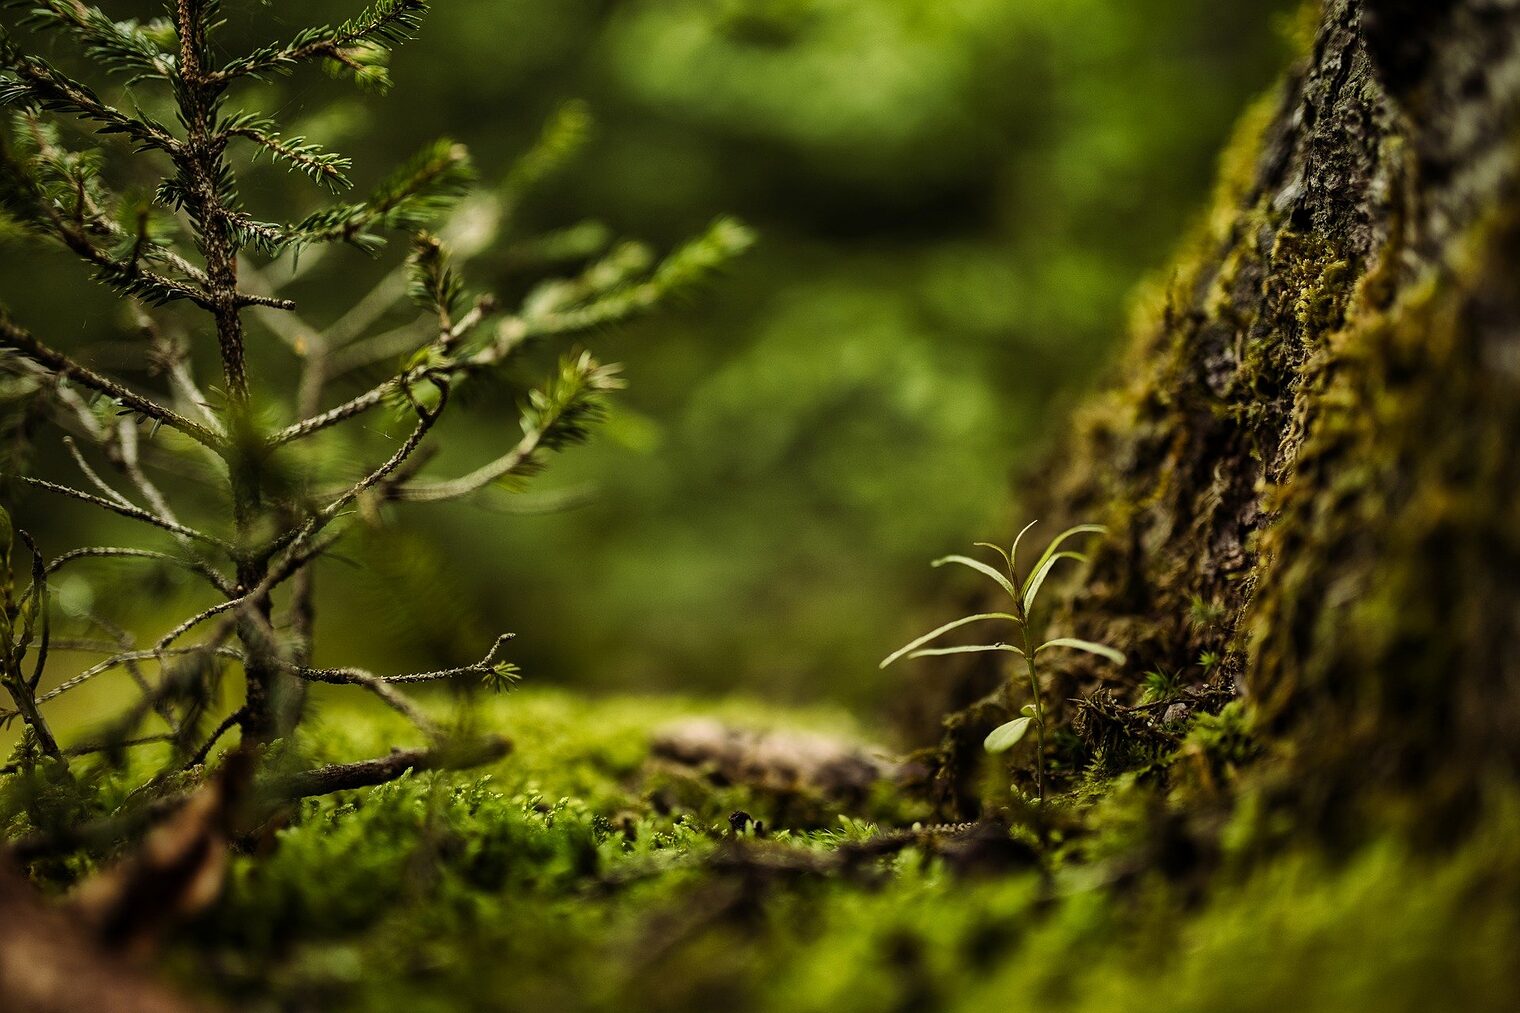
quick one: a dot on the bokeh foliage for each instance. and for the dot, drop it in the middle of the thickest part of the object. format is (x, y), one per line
(953, 199)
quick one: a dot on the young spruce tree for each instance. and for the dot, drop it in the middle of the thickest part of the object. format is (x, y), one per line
(191, 259)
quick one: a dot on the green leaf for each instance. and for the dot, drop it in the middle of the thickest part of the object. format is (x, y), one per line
(1038, 578)
(1102, 650)
(952, 625)
(1004, 737)
(1013, 553)
(934, 652)
(1055, 543)
(1002, 552)
(981, 568)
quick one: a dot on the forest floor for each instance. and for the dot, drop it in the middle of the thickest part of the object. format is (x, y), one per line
(602, 865)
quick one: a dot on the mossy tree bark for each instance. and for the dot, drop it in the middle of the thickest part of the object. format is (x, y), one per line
(1312, 465)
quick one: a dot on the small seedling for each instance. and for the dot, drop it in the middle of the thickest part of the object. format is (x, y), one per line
(1022, 588)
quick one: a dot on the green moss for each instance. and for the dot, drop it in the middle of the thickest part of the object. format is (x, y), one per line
(520, 888)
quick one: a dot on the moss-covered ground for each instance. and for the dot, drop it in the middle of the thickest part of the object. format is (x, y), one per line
(576, 874)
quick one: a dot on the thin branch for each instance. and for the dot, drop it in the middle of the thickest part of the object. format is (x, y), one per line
(217, 579)
(126, 643)
(199, 756)
(97, 747)
(432, 492)
(126, 657)
(189, 624)
(94, 479)
(381, 687)
(266, 301)
(185, 385)
(77, 405)
(354, 406)
(126, 440)
(174, 358)
(41, 610)
(298, 558)
(21, 340)
(481, 667)
(22, 690)
(403, 381)
(368, 773)
(133, 512)
(426, 420)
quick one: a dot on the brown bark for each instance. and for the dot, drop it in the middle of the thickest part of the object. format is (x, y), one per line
(1310, 466)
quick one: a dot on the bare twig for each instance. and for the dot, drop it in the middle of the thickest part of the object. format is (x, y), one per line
(381, 687)
(125, 644)
(94, 479)
(228, 723)
(122, 659)
(217, 579)
(481, 667)
(367, 773)
(135, 513)
(425, 422)
(18, 338)
(503, 466)
(401, 382)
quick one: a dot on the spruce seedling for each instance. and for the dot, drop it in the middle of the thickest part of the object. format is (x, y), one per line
(242, 473)
(1022, 589)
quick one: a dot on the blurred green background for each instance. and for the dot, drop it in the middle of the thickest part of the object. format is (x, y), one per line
(953, 199)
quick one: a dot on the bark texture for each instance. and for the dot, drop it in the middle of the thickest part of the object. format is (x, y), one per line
(1312, 464)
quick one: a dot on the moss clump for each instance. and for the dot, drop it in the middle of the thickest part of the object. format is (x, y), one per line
(550, 882)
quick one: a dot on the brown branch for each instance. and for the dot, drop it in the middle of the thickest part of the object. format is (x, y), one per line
(228, 723)
(18, 338)
(217, 579)
(135, 513)
(323, 517)
(368, 773)
(403, 381)
(381, 687)
(127, 657)
(94, 479)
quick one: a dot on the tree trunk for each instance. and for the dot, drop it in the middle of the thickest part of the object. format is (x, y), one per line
(1311, 466)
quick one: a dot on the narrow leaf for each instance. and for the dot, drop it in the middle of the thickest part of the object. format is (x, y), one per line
(1046, 565)
(1102, 650)
(934, 652)
(1013, 553)
(1055, 543)
(1004, 737)
(1002, 552)
(954, 624)
(983, 568)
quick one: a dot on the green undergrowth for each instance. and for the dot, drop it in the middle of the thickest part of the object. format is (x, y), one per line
(580, 873)
(576, 875)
